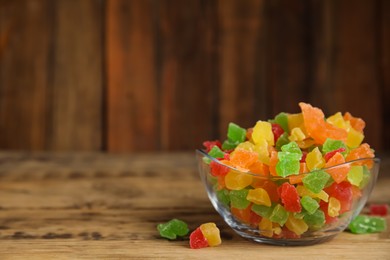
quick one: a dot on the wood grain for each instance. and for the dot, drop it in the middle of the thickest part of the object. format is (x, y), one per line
(354, 79)
(384, 66)
(127, 76)
(132, 115)
(24, 69)
(188, 83)
(91, 206)
(288, 52)
(77, 76)
(241, 25)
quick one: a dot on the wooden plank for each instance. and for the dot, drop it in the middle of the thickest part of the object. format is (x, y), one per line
(132, 110)
(345, 62)
(24, 69)
(384, 68)
(242, 92)
(92, 205)
(77, 80)
(320, 35)
(288, 51)
(189, 73)
(354, 62)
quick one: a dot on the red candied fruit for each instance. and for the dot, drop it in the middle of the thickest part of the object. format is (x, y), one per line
(303, 158)
(343, 192)
(277, 130)
(379, 209)
(197, 239)
(210, 144)
(329, 155)
(217, 169)
(290, 197)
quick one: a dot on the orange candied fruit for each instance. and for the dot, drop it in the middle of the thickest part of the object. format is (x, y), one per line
(317, 127)
(295, 179)
(243, 159)
(357, 123)
(338, 173)
(246, 215)
(259, 168)
(269, 186)
(363, 151)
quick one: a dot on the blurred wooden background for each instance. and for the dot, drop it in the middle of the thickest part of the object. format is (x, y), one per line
(151, 75)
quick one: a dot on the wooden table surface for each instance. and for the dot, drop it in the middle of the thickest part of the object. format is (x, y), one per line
(99, 206)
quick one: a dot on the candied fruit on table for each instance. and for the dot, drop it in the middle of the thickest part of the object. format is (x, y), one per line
(379, 209)
(293, 175)
(173, 228)
(367, 224)
(205, 235)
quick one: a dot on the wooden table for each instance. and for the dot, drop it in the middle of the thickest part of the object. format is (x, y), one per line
(72, 206)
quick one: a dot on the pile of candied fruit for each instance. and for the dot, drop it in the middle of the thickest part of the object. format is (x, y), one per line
(290, 174)
(287, 176)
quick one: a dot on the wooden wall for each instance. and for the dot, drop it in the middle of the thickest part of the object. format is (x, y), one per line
(151, 75)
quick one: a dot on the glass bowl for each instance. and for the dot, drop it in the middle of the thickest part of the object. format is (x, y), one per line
(268, 224)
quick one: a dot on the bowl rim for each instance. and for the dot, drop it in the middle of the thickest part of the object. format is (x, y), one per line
(376, 160)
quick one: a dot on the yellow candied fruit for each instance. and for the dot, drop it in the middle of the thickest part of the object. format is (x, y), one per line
(297, 135)
(354, 138)
(263, 130)
(211, 233)
(305, 143)
(248, 146)
(338, 120)
(235, 180)
(295, 120)
(276, 228)
(322, 195)
(298, 226)
(314, 160)
(262, 149)
(259, 196)
(265, 227)
(333, 207)
(355, 175)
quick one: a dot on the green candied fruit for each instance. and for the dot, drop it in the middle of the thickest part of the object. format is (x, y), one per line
(316, 181)
(367, 224)
(282, 120)
(309, 204)
(282, 140)
(238, 198)
(236, 133)
(287, 156)
(355, 175)
(366, 177)
(223, 196)
(229, 145)
(216, 152)
(292, 147)
(287, 167)
(331, 145)
(315, 220)
(329, 182)
(279, 215)
(300, 215)
(262, 210)
(173, 228)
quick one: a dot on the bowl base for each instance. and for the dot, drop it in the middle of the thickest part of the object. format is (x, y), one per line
(286, 242)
